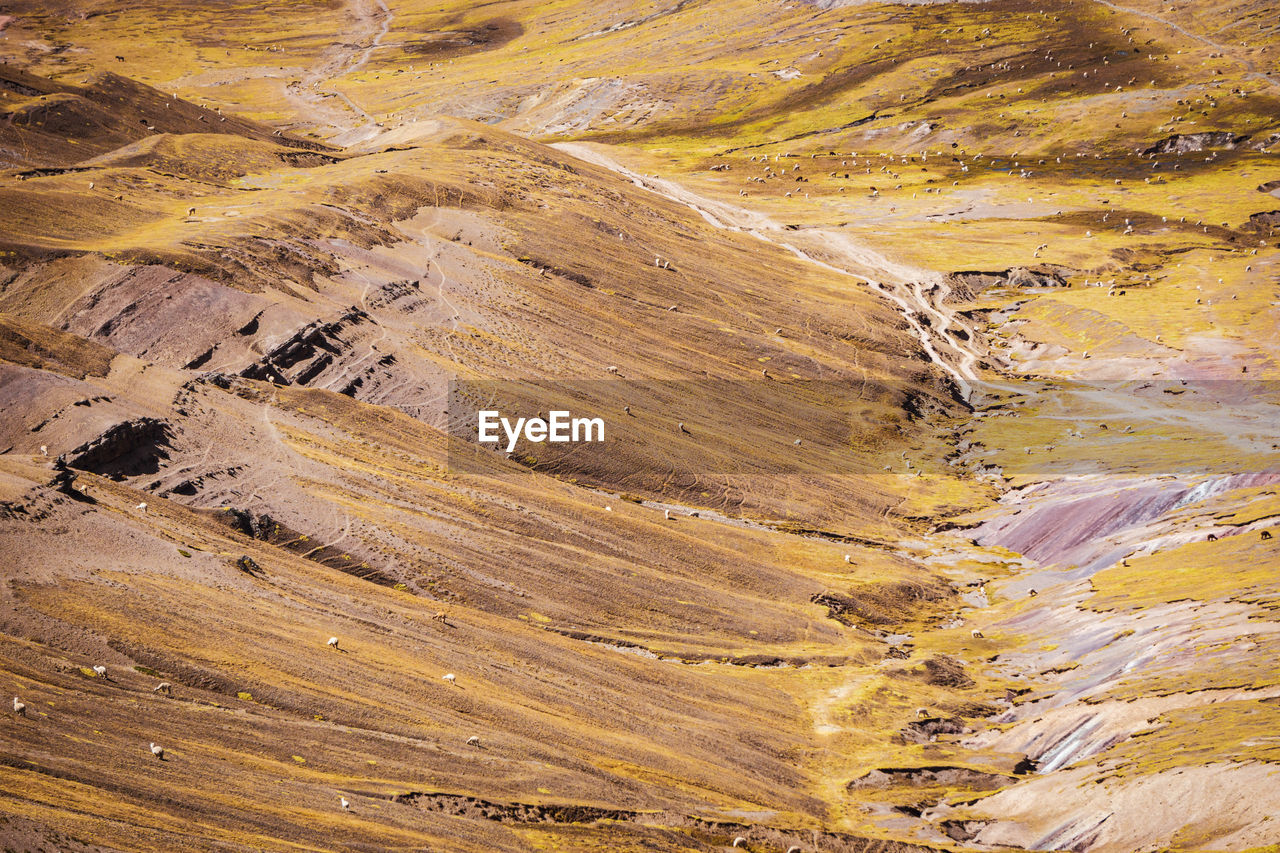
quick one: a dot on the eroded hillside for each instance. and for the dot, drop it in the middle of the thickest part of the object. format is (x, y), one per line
(939, 342)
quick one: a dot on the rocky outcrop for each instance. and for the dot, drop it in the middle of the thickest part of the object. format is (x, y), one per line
(1182, 143)
(259, 526)
(1266, 145)
(923, 731)
(962, 830)
(925, 777)
(126, 449)
(463, 806)
(1265, 221)
(306, 353)
(975, 281)
(264, 528)
(944, 671)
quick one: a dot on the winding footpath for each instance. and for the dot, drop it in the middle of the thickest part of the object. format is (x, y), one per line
(1251, 70)
(372, 21)
(917, 294)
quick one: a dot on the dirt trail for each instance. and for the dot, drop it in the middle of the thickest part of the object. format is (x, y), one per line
(1225, 50)
(916, 293)
(372, 20)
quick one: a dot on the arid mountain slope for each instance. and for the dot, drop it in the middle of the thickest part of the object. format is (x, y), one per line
(936, 342)
(215, 328)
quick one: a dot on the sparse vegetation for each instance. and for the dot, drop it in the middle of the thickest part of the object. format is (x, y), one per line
(965, 313)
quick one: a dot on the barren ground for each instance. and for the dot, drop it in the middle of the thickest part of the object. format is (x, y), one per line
(938, 340)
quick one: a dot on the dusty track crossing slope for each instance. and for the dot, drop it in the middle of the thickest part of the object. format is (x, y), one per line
(372, 20)
(916, 293)
(1230, 51)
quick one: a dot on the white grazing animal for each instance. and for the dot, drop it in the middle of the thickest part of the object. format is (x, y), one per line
(451, 678)
(474, 740)
(666, 513)
(164, 687)
(977, 635)
(333, 643)
(157, 751)
(44, 450)
(101, 670)
(142, 507)
(345, 805)
(739, 841)
(19, 707)
(795, 849)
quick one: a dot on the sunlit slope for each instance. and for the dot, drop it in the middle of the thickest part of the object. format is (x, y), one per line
(1156, 672)
(475, 254)
(1095, 186)
(51, 124)
(1009, 99)
(1008, 75)
(550, 602)
(254, 342)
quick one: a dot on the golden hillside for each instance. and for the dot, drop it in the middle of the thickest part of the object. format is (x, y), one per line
(936, 348)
